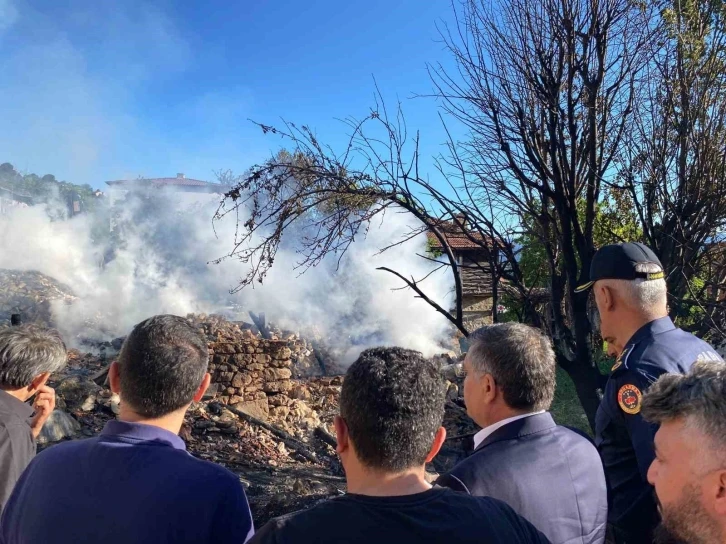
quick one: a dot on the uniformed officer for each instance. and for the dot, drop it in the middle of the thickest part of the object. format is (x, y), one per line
(630, 292)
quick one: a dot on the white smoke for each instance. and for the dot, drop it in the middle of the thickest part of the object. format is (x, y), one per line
(160, 266)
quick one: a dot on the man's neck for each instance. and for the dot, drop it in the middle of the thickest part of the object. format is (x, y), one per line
(21, 394)
(362, 481)
(631, 324)
(170, 422)
(502, 413)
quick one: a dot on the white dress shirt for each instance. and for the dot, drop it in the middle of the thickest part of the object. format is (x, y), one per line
(486, 431)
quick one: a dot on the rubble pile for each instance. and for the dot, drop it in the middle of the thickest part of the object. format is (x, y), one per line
(30, 294)
(256, 376)
(311, 354)
(267, 416)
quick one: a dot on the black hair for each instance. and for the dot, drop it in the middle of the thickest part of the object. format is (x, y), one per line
(162, 364)
(392, 401)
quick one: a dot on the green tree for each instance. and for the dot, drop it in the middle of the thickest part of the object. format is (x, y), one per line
(45, 189)
(674, 160)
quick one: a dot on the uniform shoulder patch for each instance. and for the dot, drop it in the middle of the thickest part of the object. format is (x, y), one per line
(629, 399)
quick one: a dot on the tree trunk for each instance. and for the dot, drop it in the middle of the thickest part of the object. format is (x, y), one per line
(588, 383)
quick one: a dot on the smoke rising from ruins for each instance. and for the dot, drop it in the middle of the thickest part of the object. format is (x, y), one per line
(158, 264)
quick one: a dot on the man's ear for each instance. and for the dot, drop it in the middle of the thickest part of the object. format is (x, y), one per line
(604, 297)
(439, 439)
(489, 388)
(114, 380)
(341, 435)
(202, 387)
(38, 382)
(720, 505)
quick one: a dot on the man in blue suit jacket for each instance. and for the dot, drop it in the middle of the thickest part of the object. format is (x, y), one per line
(549, 474)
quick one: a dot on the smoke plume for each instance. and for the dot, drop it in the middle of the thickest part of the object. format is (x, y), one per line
(149, 256)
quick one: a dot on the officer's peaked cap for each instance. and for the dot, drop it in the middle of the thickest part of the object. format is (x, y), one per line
(619, 261)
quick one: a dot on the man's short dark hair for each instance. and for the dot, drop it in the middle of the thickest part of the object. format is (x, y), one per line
(520, 359)
(28, 351)
(162, 364)
(392, 401)
(699, 397)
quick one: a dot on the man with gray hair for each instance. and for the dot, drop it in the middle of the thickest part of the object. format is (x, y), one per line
(689, 470)
(28, 356)
(628, 283)
(549, 474)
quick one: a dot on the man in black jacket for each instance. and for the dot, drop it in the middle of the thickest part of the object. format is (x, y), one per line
(630, 291)
(549, 474)
(28, 356)
(391, 408)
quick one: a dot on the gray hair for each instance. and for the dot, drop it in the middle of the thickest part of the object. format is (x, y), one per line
(28, 351)
(521, 361)
(647, 296)
(698, 397)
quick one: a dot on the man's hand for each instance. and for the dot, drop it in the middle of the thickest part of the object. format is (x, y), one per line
(43, 405)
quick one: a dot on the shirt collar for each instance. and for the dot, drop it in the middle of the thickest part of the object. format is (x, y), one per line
(486, 431)
(649, 330)
(15, 406)
(141, 432)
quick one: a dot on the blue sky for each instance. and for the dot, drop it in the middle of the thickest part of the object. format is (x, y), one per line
(92, 91)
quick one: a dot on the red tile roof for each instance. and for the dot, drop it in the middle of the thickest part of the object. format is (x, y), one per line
(456, 238)
(459, 240)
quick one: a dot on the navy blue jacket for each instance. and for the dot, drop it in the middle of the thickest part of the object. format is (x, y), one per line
(133, 483)
(624, 439)
(550, 475)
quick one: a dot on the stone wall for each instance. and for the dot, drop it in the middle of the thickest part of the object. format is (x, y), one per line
(477, 310)
(252, 374)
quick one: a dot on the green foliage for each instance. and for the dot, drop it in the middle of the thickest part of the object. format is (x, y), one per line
(692, 315)
(615, 219)
(690, 23)
(44, 189)
(433, 252)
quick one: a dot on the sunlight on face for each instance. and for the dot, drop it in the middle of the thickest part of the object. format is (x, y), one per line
(679, 486)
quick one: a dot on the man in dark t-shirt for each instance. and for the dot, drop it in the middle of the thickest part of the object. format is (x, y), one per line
(389, 427)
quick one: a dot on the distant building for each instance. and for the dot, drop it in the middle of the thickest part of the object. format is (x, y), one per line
(75, 204)
(12, 198)
(180, 183)
(118, 189)
(473, 253)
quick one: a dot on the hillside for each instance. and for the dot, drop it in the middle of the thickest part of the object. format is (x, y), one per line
(42, 189)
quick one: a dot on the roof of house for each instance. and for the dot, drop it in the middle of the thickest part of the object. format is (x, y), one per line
(457, 238)
(178, 181)
(460, 241)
